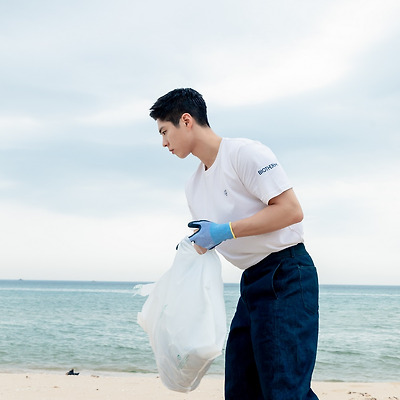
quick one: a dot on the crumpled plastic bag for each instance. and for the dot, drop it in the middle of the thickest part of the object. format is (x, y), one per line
(184, 317)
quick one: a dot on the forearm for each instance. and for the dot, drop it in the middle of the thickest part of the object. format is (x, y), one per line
(281, 212)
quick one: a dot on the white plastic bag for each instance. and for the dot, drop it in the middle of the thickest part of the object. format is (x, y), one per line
(185, 318)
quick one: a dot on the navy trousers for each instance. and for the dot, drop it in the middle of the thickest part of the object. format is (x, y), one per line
(272, 344)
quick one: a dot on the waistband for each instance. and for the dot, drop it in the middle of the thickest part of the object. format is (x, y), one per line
(290, 252)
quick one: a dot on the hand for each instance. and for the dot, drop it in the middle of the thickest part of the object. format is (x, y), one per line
(210, 234)
(200, 250)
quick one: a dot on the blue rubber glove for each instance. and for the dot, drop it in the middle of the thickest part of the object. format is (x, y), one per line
(210, 234)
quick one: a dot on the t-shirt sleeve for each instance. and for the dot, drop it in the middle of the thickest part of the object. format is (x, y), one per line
(260, 171)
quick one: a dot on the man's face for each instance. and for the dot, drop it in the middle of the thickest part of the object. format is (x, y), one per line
(176, 139)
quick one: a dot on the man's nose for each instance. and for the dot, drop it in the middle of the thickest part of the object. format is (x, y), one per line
(164, 142)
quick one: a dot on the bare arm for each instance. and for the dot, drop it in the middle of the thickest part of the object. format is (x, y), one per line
(282, 211)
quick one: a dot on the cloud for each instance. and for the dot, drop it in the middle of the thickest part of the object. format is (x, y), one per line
(254, 72)
(38, 243)
(121, 115)
(19, 129)
(139, 246)
(82, 162)
(351, 227)
(112, 196)
(6, 184)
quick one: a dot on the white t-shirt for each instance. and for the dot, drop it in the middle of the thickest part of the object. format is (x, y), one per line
(243, 178)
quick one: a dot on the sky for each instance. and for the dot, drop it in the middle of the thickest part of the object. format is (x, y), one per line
(88, 193)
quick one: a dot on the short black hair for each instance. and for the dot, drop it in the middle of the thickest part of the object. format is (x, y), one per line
(175, 103)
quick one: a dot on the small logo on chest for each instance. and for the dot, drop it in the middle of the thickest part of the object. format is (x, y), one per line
(226, 193)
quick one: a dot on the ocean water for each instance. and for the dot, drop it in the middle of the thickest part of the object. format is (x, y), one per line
(91, 326)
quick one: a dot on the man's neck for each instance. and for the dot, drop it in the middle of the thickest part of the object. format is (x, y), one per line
(206, 146)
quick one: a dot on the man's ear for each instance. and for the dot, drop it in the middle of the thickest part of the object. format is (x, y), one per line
(187, 120)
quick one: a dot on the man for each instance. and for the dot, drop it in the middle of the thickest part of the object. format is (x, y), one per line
(243, 204)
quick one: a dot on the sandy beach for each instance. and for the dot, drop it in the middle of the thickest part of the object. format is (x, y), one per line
(149, 387)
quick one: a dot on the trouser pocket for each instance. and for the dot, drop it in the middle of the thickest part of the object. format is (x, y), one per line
(309, 288)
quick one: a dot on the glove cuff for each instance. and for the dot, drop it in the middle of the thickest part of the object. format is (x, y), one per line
(230, 227)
